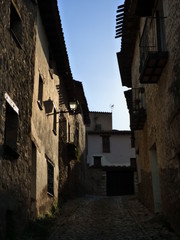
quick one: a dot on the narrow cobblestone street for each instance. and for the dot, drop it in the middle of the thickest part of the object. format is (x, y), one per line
(109, 218)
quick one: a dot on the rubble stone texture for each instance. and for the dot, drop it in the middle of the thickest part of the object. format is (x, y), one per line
(17, 72)
(157, 143)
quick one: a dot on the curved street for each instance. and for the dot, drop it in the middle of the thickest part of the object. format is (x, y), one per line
(109, 218)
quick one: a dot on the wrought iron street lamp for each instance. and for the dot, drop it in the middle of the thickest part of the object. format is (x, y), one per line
(72, 105)
(49, 107)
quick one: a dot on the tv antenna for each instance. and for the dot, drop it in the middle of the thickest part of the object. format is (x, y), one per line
(112, 107)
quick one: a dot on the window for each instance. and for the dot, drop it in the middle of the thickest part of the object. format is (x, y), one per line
(40, 92)
(55, 121)
(50, 177)
(69, 133)
(97, 161)
(153, 52)
(63, 129)
(160, 27)
(76, 135)
(98, 127)
(33, 172)
(15, 24)
(11, 130)
(51, 63)
(133, 163)
(106, 144)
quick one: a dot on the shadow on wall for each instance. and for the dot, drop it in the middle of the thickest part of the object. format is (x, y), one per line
(72, 166)
(72, 172)
(13, 215)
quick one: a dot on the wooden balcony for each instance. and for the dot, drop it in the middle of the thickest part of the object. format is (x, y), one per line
(136, 104)
(137, 119)
(153, 66)
(153, 54)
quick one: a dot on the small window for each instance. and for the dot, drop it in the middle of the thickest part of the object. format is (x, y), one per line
(106, 144)
(98, 127)
(51, 64)
(16, 24)
(11, 130)
(34, 158)
(97, 161)
(33, 171)
(40, 93)
(133, 163)
(55, 121)
(69, 133)
(160, 27)
(50, 178)
(76, 135)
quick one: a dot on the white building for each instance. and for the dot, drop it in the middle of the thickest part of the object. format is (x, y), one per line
(110, 147)
(109, 155)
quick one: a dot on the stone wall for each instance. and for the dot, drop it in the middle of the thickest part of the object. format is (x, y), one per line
(72, 166)
(161, 131)
(72, 158)
(17, 72)
(24, 59)
(44, 136)
(146, 194)
(96, 181)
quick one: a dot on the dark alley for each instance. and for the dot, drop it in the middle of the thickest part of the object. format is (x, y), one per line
(106, 218)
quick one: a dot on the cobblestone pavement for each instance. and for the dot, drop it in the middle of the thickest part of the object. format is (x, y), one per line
(109, 218)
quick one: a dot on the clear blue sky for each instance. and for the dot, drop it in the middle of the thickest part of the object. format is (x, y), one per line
(89, 31)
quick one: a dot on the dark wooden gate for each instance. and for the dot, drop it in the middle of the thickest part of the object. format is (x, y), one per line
(120, 182)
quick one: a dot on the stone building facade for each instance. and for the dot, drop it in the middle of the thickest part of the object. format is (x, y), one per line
(17, 51)
(149, 65)
(72, 140)
(34, 68)
(44, 124)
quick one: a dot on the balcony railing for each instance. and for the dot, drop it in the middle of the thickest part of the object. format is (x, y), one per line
(153, 54)
(137, 109)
